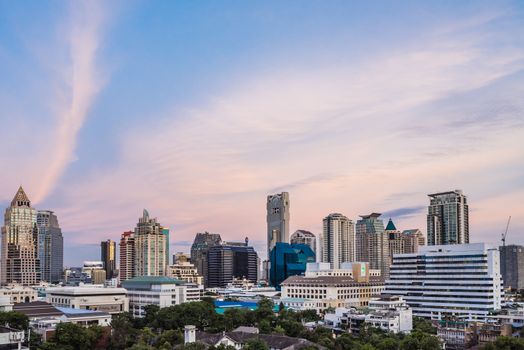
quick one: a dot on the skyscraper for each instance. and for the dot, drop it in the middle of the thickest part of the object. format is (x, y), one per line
(372, 243)
(108, 257)
(338, 238)
(512, 266)
(199, 251)
(405, 242)
(127, 256)
(50, 246)
(304, 237)
(231, 260)
(448, 218)
(19, 258)
(289, 260)
(277, 219)
(150, 247)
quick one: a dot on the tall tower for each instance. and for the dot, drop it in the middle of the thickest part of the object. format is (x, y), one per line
(50, 246)
(277, 219)
(19, 258)
(108, 257)
(150, 247)
(448, 218)
(373, 243)
(200, 250)
(127, 256)
(338, 240)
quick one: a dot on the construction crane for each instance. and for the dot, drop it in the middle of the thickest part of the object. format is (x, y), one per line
(505, 233)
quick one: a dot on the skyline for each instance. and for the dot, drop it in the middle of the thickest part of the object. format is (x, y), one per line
(198, 111)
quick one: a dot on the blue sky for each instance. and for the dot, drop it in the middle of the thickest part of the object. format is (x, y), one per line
(198, 110)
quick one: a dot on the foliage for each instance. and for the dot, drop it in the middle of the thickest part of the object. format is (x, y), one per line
(505, 343)
(255, 344)
(14, 320)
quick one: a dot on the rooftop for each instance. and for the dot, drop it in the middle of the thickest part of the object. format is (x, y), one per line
(37, 309)
(151, 280)
(331, 280)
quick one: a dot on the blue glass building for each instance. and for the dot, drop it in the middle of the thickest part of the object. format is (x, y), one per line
(288, 260)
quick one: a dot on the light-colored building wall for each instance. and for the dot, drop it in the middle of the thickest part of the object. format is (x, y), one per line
(185, 271)
(277, 219)
(338, 239)
(111, 300)
(19, 293)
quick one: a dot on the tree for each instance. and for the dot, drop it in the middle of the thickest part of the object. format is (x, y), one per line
(423, 325)
(255, 344)
(151, 312)
(193, 346)
(123, 333)
(14, 319)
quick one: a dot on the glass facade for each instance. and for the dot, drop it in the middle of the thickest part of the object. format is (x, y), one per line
(289, 260)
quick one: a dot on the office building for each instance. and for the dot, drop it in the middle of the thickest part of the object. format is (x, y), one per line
(338, 240)
(108, 256)
(94, 271)
(127, 256)
(405, 242)
(447, 218)
(229, 261)
(18, 293)
(277, 218)
(512, 266)
(372, 243)
(50, 246)
(288, 260)
(150, 247)
(461, 280)
(333, 291)
(180, 257)
(304, 237)
(349, 269)
(153, 290)
(19, 261)
(110, 300)
(185, 271)
(200, 249)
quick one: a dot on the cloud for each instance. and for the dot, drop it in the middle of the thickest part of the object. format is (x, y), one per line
(82, 81)
(403, 212)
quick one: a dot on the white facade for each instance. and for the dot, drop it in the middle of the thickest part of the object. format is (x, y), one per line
(185, 271)
(11, 338)
(462, 280)
(19, 293)
(111, 300)
(346, 269)
(160, 291)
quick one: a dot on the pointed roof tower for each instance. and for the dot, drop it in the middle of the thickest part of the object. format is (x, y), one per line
(20, 199)
(390, 226)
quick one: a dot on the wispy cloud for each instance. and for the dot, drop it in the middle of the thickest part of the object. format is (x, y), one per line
(82, 81)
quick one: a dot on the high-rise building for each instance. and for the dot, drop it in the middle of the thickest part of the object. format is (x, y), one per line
(19, 257)
(108, 256)
(289, 260)
(50, 246)
(150, 247)
(199, 251)
(338, 238)
(448, 218)
(230, 261)
(405, 242)
(304, 237)
(277, 219)
(512, 266)
(461, 280)
(127, 256)
(372, 243)
(180, 257)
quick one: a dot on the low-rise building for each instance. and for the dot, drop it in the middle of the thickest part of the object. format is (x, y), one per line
(391, 314)
(185, 271)
(18, 293)
(110, 300)
(346, 269)
(12, 338)
(154, 290)
(334, 291)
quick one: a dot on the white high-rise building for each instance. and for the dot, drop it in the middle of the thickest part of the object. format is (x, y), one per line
(19, 258)
(338, 239)
(372, 243)
(277, 219)
(460, 280)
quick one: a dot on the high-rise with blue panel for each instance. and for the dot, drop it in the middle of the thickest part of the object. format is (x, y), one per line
(289, 260)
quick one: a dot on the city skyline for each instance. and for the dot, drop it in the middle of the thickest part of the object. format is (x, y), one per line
(346, 107)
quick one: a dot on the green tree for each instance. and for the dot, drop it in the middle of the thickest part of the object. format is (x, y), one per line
(264, 326)
(255, 344)
(422, 325)
(14, 319)
(193, 346)
(151, 312)
(123, 333)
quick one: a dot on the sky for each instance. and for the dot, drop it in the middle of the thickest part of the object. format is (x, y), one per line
(197, 111)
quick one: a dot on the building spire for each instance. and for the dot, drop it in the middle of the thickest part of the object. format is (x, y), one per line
(20, 199)
(390, 226)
